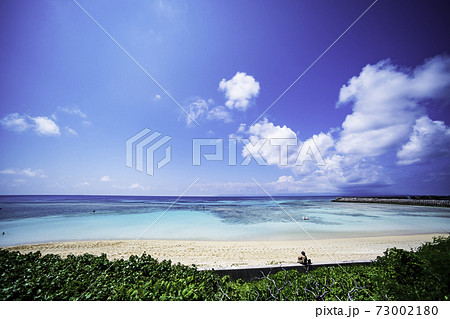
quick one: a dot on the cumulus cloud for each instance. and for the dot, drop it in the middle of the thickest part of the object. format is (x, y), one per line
(157, 97)
(386, 102)
(337, 175)
(266, 129)
(388, 118)
(45, 126)
(432, 79)
(82, 184)
(196, 109)
(137, 186)
(32, 173)
(430, 139)
(285, 184)
(321, 146)
(239, 91)
(15, 122)
(105, 179)
(279, 145)
(272, 142)
(315, 163)
(199, 109)
(24, 172)
(219, 113)
(134, 187)
(70, 131)
(311, 184)
(42, 125)
(71, 110)
(227, 188)
(7, 171)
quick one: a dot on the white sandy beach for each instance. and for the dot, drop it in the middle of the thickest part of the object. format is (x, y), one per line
(215, 254)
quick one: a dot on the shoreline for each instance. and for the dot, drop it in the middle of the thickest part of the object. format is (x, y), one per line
(220, 254)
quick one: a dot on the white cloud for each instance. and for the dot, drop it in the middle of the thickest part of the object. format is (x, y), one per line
(8, 171)
(196, 109)
(137, 186)
(199, 109)
(134, 187)
(386, 102)
(285, 179)
(105, 179)
(347, 173)
(241, 128)
(239, 91)
(157, 97)
(432, 78)
(227, 188)
(430, 139)
(285, 184)
(277, 139)
(72, 110)
(324, 142)
(279, 145)
(388, 117)
(266, 129)
(340, 173)
(288, 184)
(83, 184)
(25, 172)
(173, 11)
(70, 131)
(32, 173)
(45, 126)
(40, 124)
(324, 146)
(15, 122)
(219, 113)
(328, 173)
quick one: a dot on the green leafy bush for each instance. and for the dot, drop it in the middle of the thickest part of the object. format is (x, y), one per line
(420, 275)
(398, 275)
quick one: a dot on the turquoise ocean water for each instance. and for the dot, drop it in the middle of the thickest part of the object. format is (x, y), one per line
(39, 219)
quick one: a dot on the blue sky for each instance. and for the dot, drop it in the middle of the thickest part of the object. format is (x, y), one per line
(375, 105)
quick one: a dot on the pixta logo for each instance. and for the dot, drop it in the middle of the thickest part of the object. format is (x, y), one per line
(141, 147)
(280, 151)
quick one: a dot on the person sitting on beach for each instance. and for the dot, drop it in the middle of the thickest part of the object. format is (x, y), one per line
(303, 259)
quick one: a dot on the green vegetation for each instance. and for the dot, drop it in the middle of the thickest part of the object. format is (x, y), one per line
(423, 274)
